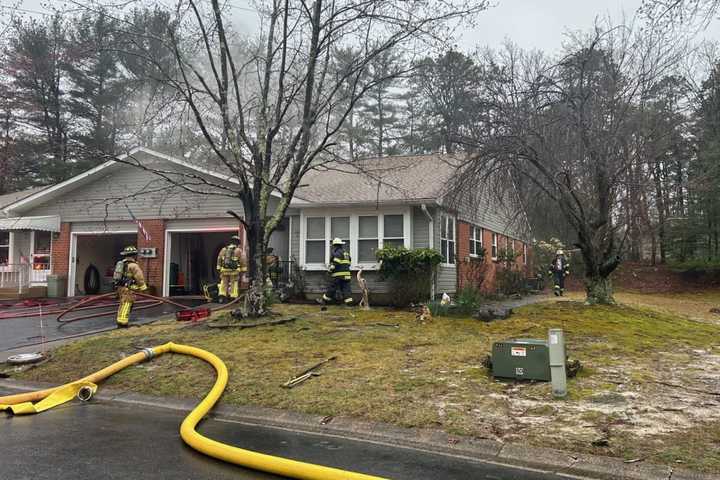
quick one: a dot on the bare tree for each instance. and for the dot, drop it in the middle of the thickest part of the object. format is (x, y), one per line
(568, 126)
(271, 110)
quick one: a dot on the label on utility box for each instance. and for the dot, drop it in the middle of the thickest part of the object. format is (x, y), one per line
(518, 352)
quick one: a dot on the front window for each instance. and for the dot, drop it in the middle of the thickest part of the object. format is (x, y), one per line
(362, 235)
(340, 228)
(315, 243)
(393, 234)
(447, 239)
(4, 248)
(476, 245)
(367, 238)
(41, 254)
(524, 254)
(494, 252)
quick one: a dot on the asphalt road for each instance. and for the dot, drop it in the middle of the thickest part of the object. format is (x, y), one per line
(17, 332)
(117, 441)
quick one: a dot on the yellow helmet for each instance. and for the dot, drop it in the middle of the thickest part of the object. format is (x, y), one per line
(235, 238)
(337, 241)
(129, 251)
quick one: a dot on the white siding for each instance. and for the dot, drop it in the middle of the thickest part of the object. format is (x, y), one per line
(421, 229)
(148, 196)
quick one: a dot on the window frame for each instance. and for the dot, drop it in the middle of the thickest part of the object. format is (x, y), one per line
(475, 240)
(9, 249)
(446, 220)
(524, 253)
(354, 215)
(494, 250)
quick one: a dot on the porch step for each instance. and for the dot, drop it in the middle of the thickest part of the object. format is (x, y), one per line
(11, 293)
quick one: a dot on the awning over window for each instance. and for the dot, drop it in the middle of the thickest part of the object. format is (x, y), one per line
(50, 223)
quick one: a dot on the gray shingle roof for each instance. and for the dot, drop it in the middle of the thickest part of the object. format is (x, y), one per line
(9, 198)
(386, 179)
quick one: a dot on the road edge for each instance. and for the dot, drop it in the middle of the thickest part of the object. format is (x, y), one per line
(430, 440)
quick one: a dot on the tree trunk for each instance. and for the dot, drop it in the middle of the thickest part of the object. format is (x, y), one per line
(599, 290)
(255, 301)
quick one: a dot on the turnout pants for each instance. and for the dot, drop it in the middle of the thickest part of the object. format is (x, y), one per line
(559, 282)
(229, 283)
(126, 297)
(339, 285)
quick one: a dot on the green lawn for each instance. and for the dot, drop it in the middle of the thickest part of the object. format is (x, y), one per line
(431, 375)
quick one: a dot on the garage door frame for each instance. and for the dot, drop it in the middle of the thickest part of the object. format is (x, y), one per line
(72, 270)
(168, 245)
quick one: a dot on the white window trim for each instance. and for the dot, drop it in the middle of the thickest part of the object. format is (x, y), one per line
(524, 253)
(494, 246)
(474, 230)
(353, 214)
(444, 218)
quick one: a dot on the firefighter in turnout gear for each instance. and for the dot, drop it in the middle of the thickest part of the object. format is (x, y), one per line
(559, 269)
(127, 278)
(230, 265)
(340, 272)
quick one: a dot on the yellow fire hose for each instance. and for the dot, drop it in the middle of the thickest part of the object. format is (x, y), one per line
(84, 388)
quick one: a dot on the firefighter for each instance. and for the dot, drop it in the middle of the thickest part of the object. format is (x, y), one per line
(339, 270)
(559, 269)
(127, 278)
(230, 266)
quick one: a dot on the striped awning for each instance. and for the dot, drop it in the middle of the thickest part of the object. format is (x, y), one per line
(50, 223)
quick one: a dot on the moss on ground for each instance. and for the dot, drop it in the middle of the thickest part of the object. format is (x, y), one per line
(419, 375)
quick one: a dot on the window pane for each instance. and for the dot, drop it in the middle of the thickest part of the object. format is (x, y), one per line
(316, 227)
(451, 252)
(368, 227)
(443, 250)
(340, 228)
(366, 251)
(443, 227)
(450, 229)
(42, 242)
(4, 255)
(396, 242)
(5, 238)
(393, 226)
(472, 247)
(315, 252)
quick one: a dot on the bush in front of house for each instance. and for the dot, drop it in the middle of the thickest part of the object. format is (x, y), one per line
(409, 272)
(509, 279)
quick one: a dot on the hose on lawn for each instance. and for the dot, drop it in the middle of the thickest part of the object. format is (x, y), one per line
(81, 305)
(21, 404)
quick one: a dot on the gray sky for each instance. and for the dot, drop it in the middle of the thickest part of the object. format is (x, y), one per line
(532, 24)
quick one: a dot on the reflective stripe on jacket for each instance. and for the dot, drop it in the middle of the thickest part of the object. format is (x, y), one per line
(340, 264)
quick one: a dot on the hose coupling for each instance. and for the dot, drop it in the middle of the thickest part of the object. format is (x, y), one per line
(85, 393)
(149, 353)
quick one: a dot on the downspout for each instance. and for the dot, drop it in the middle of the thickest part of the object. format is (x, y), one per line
(431, 244)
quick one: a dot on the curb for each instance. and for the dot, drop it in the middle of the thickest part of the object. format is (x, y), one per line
(433, 441)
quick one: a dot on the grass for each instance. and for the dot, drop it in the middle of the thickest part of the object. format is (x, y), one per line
(430, 375)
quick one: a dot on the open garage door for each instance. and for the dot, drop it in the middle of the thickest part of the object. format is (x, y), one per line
(92, 260)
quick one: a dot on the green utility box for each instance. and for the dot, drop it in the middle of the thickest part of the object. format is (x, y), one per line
(521, 358)
(56, 286)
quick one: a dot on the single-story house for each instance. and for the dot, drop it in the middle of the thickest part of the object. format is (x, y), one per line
(77, 227)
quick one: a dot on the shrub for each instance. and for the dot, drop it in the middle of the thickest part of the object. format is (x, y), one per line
(468, 300)
(410, 272)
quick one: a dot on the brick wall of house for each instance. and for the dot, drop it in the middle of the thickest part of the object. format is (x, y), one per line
(60, 251)
(153, 267)
(481, 273)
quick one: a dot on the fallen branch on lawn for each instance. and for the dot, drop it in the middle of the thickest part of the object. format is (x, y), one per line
(279, 321)
(689, 389)
(307, 373)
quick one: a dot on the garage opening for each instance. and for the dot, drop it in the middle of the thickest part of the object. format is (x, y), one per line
(193, 257)
(95, 258)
